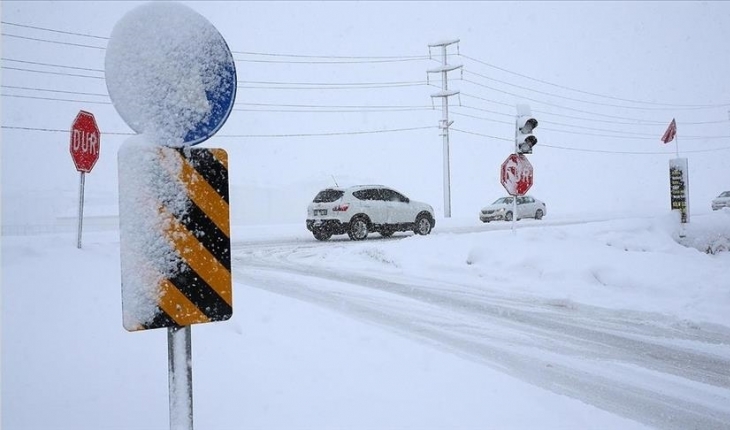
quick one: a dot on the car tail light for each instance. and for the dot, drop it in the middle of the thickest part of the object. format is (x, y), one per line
(341, 208)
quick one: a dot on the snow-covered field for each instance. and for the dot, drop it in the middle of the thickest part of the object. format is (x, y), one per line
(558, 324)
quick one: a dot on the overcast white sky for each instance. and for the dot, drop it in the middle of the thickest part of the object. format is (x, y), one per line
(572, 62)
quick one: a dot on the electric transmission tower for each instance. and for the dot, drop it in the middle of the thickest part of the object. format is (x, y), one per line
(444, 123)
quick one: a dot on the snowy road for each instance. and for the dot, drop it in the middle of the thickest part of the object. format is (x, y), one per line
(660, 371)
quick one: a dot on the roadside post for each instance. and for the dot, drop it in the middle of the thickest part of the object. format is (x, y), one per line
(173, 198)
(84, 147)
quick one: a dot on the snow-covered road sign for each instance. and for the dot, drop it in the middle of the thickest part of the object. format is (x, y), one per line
(85, 141)
(516, 175)
(175, 237)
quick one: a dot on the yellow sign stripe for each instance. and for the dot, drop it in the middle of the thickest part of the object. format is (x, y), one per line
(205, 197)
(178, 307)
(220, 155)
(201, 260)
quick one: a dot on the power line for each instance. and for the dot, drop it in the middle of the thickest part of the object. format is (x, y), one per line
(52, 65)
(316, 59)
(265, 54)
(368, 59)
(401, 60)
(627, 133)
(623, 135)
(50, 73)
(563, 107)
(328, 84)
(53, 91)
(667, 106)
(340, 57)
(55, 99)
(52, 41)
(338, 106)
(573, 89)
(50, 29)
(339, 133)
(594, 150)
(332, 110)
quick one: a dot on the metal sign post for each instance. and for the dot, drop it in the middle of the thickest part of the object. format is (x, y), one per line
(81, 210)
(180, 377)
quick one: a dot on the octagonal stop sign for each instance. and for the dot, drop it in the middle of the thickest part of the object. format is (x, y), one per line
(85, 141)
(516, 175)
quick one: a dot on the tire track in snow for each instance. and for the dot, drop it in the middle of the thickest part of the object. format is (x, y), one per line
(649, 368)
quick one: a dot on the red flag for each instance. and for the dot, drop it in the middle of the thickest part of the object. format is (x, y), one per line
(671, 132)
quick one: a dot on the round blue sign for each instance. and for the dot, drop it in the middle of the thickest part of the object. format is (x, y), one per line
(170, 74)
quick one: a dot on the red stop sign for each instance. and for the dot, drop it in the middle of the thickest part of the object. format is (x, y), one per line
(516, 175)
(85, 141)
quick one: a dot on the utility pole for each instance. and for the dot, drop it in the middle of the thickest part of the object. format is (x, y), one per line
(444, 124)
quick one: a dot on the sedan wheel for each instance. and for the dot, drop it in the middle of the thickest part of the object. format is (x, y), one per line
(508, 216)
(358, 229)
(538, 214)
(423, 225)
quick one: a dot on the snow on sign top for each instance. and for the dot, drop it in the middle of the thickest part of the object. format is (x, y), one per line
(170, 74)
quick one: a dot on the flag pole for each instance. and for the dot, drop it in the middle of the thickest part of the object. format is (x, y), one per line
(676, 143)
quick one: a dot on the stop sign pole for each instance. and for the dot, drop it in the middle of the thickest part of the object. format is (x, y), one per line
(84, 148)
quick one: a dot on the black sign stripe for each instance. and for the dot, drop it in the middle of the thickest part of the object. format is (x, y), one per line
(200, 294)
(160, 320)
(207, 233)
(212, 170)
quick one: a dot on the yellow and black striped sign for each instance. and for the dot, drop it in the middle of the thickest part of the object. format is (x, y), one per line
(200, 290)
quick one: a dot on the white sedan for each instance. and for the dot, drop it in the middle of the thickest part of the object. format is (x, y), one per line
(502, 209)
(722, 201)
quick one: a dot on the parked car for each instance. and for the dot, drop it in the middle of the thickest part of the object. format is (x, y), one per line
(362, 209)
(722, 201)
(501, 209)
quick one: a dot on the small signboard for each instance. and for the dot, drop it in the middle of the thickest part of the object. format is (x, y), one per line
(679, 187)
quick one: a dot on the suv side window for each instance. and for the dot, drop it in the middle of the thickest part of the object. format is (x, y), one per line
(366, 194)
(386, 195)
(398, 197)
(328, 196)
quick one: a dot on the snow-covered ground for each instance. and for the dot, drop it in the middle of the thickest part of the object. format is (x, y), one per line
(558, 324)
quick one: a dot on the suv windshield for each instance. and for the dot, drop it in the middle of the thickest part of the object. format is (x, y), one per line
(328, 196)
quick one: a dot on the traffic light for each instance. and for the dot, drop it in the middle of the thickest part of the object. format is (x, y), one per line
(524, 139)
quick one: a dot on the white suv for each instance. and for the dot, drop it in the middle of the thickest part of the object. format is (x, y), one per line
(366, 208)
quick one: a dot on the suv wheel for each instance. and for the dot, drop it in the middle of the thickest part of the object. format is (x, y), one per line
(322, 234)
(423, 225)
(358, 229)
